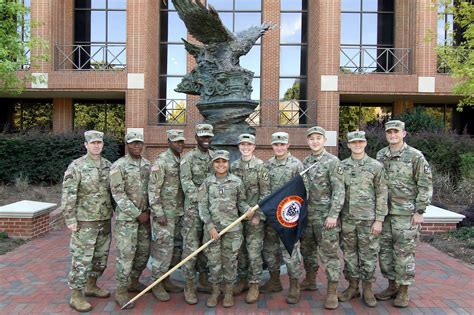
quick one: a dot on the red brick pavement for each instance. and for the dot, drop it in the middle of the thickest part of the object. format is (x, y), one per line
(33, 281)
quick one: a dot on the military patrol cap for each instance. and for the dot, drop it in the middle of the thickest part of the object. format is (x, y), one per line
(356, 136)
(133, 136)
(204, 130)
(221, 154)
(94, 135)
(316, 129)
(280, 137)
(395, 124)
(246, 137)
(175, 135)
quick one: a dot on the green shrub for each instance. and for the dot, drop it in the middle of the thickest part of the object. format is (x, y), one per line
(3, 235)
(418, 119)
(464, 233)
(43, 158)
(467, 165)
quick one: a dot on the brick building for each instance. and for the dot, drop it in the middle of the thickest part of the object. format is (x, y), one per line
(115, 63)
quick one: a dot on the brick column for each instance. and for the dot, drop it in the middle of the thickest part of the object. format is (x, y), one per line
(41, 10)
(424, 49)
(62, 115)
(401, 106)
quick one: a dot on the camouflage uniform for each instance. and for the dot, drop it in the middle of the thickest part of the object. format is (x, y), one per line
(280, 172)
(166, 199)
(365, 201)
(409, 190)
(254, 176)
(86, 201)
(129, 185)
(325, 189)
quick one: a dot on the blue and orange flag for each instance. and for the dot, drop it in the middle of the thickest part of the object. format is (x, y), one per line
(287, 211)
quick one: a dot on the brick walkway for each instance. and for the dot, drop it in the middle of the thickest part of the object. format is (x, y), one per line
(33, 281)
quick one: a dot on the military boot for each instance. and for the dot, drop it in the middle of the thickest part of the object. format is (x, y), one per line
(92, 289)
(203, 284)
(135, 286)
(309, 283)
(331, 302)
(402, 298)
(368, 294)
(160, 293)
(78, 302)
(228, 295)
(351, 292)
(294, 294)
(172, 287)
(190, 292)
(273, 284)
(390, 292)
(241, 286)
(252, 295)
(121, 297)
(216, 291)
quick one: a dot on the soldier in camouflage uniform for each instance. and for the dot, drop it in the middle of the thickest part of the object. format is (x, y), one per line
(409, 193)
(87, 209)
(363, 213)
(129, 185)
(281, 168)
(167, 208)
(194, 168)
(221, 198)
(325, 188)
(254, 175)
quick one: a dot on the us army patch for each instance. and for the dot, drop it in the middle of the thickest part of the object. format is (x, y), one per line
(340, 170)
(115, 176)
(427, 169)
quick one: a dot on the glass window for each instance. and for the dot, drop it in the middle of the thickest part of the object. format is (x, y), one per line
(290, 89)
(350, 5)
(221, 4)
(243, 20)
(117, 21)
(175, 59)
(172, 27)
(107, 116)
(290, 65)
(98, 29)
(291, 5)
(350, 28)
(251, 60)
(248, 5)
(118, 4)
(291, 28)
(33, 115)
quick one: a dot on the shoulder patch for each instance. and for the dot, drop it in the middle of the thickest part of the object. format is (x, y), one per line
(340, 171)
(427, 169)
(155, 168)
(115, 176)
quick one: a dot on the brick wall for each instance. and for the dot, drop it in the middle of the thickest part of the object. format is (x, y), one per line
(432, 228)
(25, 228)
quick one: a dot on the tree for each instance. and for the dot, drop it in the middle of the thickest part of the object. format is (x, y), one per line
(15, 45)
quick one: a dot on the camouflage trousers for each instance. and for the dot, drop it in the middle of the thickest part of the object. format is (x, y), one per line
(222, 257)
(274, 251)
(250, 254)
(166, 245)
(397, 249)
(133, 250)
(192, 233)
(320, 241)
(360, 248)
(89, 247)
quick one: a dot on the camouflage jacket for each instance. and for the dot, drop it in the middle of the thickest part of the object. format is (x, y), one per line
(324, 185)
(254, 176)
(129, 185)
(409, 178)
(221, 201)
(164, 189)
(86, 193)
(366, 189)
(281, 171)
(195, 167)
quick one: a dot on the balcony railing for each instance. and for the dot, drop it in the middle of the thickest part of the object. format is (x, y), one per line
(375, 60)
(460, 55)
(90, 57)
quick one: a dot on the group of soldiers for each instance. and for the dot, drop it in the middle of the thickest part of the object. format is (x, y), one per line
(370, 208)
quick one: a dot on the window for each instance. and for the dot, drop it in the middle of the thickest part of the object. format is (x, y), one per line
(24, 30)
(104, 115)
(100, 34)
(353, 116)
(26, 115)
(367, 36)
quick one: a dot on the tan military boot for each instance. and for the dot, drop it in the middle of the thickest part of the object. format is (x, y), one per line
(228, 295)
(273, 284)
(402, 298)
(135, 286)
(203, 284)
(351, 292)
(331, 302)
(78, 302)
(368, 294)
(241, 286)
(160, 293)
(121, 297)
(92, 289)
(252, 295)
(294, 294)
(216, 291)
(390, 292)
(172, 287)
(190, 292)
(309, 283)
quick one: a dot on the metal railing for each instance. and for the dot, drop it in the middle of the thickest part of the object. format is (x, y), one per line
(375, 60)
(168, 111)
(90, 57)
(459, 54)
(27, 64)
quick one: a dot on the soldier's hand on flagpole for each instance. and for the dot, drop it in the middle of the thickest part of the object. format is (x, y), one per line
(330, 223)
(72, 227)
(250, 213)
(214, 234)
(376, 228)
(255, 220)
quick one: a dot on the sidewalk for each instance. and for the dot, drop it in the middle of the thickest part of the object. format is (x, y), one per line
(33, 281)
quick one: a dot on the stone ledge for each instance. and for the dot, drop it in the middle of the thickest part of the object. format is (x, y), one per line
(439, 215)
(26, 209)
